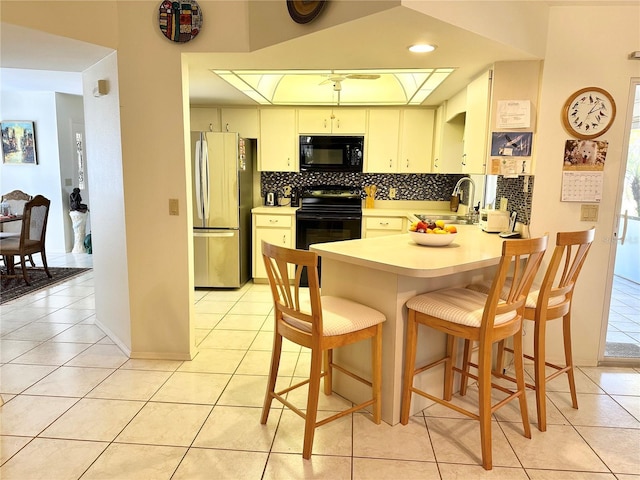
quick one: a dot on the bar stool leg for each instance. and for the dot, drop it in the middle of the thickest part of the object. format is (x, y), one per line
(273, 376)
(539, 337)
(484, 401)
(566, 330)
(409, 366)
(312, 402)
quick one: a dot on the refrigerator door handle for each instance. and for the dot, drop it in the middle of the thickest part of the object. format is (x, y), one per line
(205, 178)
(198, 176)
(213, 234)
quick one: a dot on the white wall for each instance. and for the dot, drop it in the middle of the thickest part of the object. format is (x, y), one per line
(108, 236)
(43, 178)
(70, 119)
(574, 61)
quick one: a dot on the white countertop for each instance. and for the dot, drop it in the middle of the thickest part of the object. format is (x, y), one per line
(275, 210)
(472, 249)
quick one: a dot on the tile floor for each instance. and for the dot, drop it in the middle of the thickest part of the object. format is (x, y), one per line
(76, 407)
(623, 332)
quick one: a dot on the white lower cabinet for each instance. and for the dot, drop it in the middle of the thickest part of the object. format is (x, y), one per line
(381, 226)
(275, 229)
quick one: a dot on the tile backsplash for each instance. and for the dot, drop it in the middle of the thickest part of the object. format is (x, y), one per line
(408, 186)
(428, 186)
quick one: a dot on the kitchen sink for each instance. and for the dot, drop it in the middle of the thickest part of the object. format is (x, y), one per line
(459, 219)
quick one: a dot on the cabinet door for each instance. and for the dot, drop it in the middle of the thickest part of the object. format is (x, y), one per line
(276, 236)
(241, 120)
(314, 120)
(277, 143)
(349, 121)
(416, 142)
(205, 119)
(476, 125)
(382, 141)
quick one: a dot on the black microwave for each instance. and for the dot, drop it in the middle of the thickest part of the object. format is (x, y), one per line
(328, 153)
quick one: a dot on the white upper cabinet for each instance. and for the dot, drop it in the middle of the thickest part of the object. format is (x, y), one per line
(476, 125)
(205, 119)
(336, 121)
(277, 142)
(447, 142)
(241, 120)
(416, 141)
(381, 151)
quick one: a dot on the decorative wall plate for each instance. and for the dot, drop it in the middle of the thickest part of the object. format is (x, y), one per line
(180, 21)
(304, 11)
(589, 112)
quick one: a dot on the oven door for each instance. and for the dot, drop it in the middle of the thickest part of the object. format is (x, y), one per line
(318, 228)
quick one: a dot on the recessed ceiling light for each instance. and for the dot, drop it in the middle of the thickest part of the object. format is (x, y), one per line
(422, 48)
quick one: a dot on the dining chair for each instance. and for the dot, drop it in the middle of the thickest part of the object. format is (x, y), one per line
(552, 301)
(479, 317)
(31, 239)
(16, 199)
(320, 323)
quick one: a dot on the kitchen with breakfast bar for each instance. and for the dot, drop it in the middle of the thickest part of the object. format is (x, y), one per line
(404, 213)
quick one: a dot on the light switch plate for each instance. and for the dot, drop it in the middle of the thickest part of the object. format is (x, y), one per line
(589, 213)
(173, 206)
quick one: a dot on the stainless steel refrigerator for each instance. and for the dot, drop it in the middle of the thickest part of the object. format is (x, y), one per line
(222, 201)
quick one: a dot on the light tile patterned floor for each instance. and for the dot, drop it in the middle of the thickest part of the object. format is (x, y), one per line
(76, 407)
(623, 331)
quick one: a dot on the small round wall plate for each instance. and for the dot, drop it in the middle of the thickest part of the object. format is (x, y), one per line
(304, 11)
(588, 113)
(180, 21)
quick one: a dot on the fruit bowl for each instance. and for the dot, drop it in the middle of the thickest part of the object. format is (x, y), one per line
(432, 239)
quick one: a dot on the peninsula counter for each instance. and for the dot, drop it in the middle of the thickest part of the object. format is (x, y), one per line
(383, 273)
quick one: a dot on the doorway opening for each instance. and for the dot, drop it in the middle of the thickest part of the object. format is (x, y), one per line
(623, 329)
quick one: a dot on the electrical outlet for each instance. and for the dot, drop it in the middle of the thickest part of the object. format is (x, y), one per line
(392, 192)
(173, 206)
(287, 190)
(525, 188)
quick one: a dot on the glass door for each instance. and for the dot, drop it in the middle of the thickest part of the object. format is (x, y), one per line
(623, 327)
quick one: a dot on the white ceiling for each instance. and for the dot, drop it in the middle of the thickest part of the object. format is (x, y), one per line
(32, 60)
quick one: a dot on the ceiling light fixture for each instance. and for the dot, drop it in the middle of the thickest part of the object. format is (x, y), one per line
(422, 48)
(320, 87)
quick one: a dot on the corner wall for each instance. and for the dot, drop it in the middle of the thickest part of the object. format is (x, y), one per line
(573, 62)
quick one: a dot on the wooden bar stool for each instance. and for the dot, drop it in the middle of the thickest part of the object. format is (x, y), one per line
(475, 316)
(320, 323)
(551, 302)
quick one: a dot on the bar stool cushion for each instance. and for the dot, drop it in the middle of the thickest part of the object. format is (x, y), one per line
(532, 298)
(457, 305)
(340, 316)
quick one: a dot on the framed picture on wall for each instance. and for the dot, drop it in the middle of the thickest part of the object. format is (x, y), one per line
(18, 142)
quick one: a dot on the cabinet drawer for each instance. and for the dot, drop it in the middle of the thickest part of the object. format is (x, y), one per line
(383, 223)
(282, 221)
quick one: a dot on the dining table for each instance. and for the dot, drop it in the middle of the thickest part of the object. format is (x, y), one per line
(8, 219)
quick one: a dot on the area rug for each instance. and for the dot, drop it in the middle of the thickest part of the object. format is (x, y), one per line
(15, 288)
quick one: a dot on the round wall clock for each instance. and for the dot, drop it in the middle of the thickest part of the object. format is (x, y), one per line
(589, 112)
(180, 21)
(304, 11)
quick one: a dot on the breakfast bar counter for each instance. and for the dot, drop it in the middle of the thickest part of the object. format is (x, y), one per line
(383, 273)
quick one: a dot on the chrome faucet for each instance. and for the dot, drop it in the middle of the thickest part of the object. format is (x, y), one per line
(472, 193)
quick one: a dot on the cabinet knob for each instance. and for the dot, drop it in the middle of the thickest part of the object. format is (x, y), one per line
(271, 220)
(384, 224)
(407, 163)
(390, 162)
(284, 239)
(227, 127)
(338, 122)
(325, 123)
(464, 159)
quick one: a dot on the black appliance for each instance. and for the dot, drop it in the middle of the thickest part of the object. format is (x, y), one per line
(329, 153)
(327, 214)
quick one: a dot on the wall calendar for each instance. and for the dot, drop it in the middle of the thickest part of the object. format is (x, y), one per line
(583, 170)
